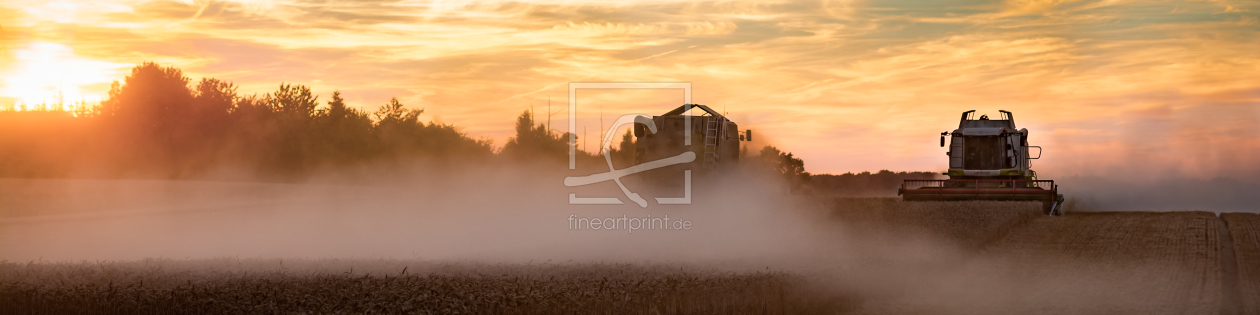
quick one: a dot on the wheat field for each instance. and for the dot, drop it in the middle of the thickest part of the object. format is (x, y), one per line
(898, 258)
(240, 286)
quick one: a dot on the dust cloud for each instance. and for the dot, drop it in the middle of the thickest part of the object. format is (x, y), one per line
(743, 221)
(1167, 193)
(498, 214)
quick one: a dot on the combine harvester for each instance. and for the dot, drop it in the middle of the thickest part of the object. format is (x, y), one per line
(988, 160)
(714, 137)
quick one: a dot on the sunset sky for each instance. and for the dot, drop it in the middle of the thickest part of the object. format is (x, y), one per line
(1106, 87)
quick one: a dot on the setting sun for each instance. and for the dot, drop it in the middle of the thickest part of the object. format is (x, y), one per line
(50, 73)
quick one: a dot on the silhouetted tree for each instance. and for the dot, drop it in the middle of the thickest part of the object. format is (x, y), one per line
(395, 124)
(346, 131)
(789, 166)
(294, 148)
(535, 142)
(214, 98)
(400, 131)
(394, 114)
(213, 101)
(251, 106)
(255, 133)
(294, 100)
(151, 113)
(337, 106)
(624, 153)
(151, 99)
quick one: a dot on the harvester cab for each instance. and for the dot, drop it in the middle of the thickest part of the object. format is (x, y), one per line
(989, 159)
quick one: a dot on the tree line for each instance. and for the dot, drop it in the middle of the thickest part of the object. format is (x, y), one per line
(159, 123)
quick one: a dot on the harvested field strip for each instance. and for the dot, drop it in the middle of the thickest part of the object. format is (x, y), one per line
(1244, 228)
(1121, 262)
(1081, 263)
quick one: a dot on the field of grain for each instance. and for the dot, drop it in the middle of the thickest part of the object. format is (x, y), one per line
(506, 255)
(232, 286)
(1244, 228)
(866, 256)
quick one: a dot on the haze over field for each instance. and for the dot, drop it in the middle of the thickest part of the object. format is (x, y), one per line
(1109, 88)
(394, 156)
(196, 245)
(492, 215)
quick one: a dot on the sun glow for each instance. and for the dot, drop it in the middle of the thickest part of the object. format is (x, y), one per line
(50, 73)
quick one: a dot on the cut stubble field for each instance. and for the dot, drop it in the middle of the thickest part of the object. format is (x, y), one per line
(1107, 263)
(1245, 231)
(1081, 263)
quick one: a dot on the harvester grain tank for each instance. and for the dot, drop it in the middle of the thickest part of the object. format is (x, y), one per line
(714, 138)
(989, 159)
